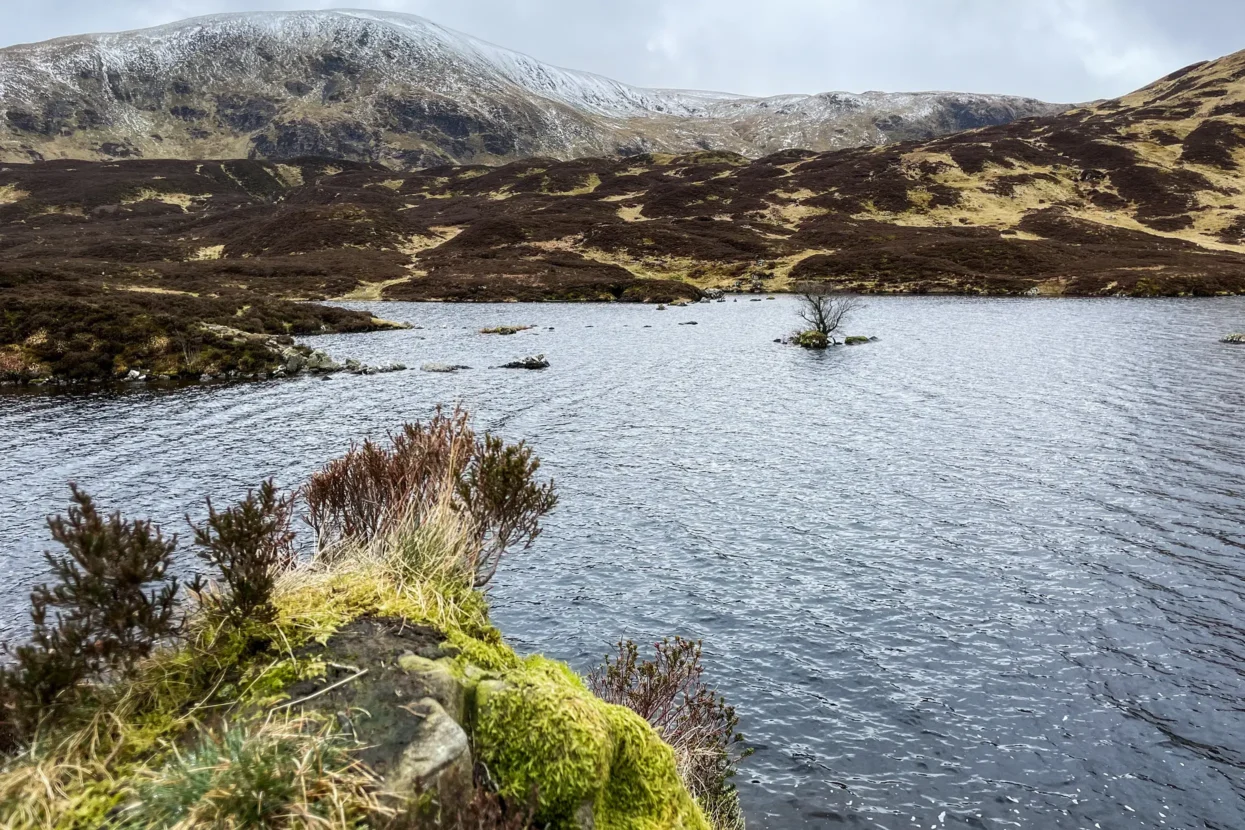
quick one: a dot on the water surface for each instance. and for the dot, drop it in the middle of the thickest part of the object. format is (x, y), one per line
(988, 571)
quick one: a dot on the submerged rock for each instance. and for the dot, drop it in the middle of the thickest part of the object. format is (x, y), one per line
(537, 362)
(442, 367)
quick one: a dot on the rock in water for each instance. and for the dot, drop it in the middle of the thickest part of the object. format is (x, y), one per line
(1237, 337)
(442, 367)
(537, 362)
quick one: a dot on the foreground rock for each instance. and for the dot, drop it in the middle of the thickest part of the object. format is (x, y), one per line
(425, 713)
(537, 362)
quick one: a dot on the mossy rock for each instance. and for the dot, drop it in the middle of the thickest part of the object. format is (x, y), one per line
(591, 764)
(811, 339)
(855, 340)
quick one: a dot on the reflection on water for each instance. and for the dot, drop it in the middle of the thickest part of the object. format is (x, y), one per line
(986, 572)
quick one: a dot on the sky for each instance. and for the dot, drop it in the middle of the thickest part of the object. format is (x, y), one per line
(1065, 51)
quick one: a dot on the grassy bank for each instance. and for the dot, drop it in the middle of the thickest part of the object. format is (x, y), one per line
(239, 711)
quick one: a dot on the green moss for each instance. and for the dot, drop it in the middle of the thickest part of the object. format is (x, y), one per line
(811, 339)
(533, 721)
(855, 340)
(538, 729)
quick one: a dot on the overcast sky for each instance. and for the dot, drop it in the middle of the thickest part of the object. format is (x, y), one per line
(1057, 50)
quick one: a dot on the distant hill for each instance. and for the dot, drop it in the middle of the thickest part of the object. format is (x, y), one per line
(1140, 196)
(400, 90)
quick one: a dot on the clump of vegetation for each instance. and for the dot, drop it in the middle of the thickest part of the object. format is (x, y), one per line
(824, 311)
(248, 544)
(188, 723)
(810, 339)
(541, 728)
(114, 602)
(669, 691)
(295, 773)
(505, 329)
(100, 335)
(855, 340)
(371, 490)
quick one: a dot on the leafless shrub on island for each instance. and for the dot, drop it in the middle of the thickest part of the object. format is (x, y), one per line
(823, 310)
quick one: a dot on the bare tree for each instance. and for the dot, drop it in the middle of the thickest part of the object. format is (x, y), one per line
(824, 309)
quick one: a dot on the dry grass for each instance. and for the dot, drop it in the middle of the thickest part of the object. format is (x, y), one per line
(10, 194)
(208, 253)
(182, 200)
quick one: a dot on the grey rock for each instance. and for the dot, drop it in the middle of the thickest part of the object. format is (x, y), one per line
(442, 367)
(438, 758)
(318, 361)
(537, 362)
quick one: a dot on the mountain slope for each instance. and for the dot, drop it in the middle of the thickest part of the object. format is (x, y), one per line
(400, 90)
(1141, 196)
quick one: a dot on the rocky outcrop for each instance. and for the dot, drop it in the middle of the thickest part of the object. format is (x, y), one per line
(1234, 338)
(293, 359)
(393, 688)
(427, 716)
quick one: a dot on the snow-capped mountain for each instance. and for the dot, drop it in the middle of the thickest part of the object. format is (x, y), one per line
(404, 91)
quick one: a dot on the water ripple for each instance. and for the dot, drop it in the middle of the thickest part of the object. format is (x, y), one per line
(986, 572)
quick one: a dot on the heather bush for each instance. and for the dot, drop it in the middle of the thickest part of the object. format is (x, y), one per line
(249, 544)
(372, 490)
(113, 600)
(669, 692)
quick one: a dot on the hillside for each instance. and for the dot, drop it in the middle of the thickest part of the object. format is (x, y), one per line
(1139, 196)
(402, 91)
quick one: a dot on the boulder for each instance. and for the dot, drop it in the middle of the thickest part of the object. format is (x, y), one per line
(318, 361)
(437, 760)
(391, 686)
(1237, 337)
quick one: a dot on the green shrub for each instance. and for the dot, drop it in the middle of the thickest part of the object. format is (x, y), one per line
(249, 544)
(114, 599)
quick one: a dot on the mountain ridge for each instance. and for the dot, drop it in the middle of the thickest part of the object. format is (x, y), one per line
(404, 91)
